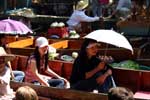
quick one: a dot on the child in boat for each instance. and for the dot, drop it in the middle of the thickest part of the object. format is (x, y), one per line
(5, 74)
(89, 73)
(38, 70)
(26, 93)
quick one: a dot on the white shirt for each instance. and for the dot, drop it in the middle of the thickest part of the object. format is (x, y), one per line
(5, 86)
(124, 4)
(80, 16)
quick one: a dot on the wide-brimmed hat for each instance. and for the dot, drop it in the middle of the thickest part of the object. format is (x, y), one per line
(82, 4)
(5, 56)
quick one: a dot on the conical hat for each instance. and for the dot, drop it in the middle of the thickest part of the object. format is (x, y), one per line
(5, 56)
(82, 4)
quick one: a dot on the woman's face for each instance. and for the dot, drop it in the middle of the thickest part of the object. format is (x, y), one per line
(43, 50)
(92, 49)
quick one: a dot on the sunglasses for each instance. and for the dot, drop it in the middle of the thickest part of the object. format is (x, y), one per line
(93, 46)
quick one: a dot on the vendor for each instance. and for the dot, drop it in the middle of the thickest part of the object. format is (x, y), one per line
(79, 16)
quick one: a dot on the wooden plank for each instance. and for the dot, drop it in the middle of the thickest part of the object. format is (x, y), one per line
(114, 52)
(21, 44)
(22, 51)
(60, 44)
(60, 94)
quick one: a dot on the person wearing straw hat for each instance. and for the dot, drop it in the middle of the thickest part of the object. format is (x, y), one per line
(5, 74)
(78, 16)
(16, 75)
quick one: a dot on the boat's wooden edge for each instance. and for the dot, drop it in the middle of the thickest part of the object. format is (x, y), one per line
(60, 94)
(21, 44)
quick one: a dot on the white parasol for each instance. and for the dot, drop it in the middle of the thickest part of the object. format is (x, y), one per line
(110, 37)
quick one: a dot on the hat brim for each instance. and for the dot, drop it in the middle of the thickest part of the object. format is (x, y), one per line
(43, 45)
(7, 57)
(83, 7)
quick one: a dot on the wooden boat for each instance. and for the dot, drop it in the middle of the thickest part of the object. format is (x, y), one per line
(49, 93)
(138, 81)
(27, 45)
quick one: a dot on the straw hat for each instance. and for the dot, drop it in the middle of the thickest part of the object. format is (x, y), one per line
(5, 56)
(82, 4)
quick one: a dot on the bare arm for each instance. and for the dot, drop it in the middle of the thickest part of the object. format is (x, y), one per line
(100, 66)
(101, 79)
(39, 76)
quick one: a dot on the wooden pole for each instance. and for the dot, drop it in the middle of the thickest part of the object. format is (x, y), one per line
(5, 6)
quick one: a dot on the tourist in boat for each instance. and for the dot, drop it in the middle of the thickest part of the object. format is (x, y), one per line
(26, 93)
(38, 71)
(78, 16)
(89, 72)
(16, 75)
(6, 93)
(120, 93)
(123, 9)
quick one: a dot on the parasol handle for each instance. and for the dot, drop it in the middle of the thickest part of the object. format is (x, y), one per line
(105, 53)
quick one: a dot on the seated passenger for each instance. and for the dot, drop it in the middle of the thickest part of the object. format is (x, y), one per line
(16, 75)
(38, 71)
(89, 72)
(5, 74)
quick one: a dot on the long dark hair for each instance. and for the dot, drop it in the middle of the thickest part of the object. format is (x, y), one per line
(82, 53)
(37, 58)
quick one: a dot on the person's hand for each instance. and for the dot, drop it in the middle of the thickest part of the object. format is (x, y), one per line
(101, 18)
(109, 72)
(100, 80)
(109, 17)
(67, 83)
(101, 66)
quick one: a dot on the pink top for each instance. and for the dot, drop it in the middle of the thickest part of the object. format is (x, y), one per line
(29, 75)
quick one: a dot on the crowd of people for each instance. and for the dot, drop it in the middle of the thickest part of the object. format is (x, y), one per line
(104, 9)
(89, 72)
